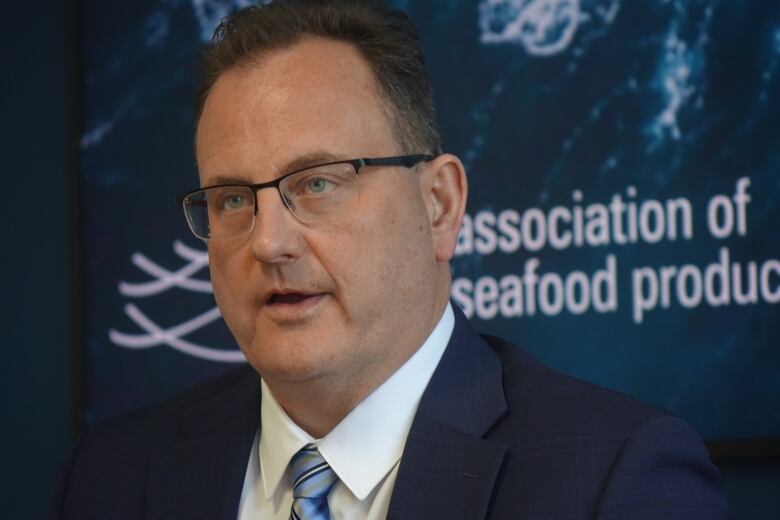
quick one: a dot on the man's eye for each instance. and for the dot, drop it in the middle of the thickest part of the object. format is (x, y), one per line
(318, 185)
(234, 201)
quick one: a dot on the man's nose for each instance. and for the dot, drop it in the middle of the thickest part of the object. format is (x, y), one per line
(276, 236)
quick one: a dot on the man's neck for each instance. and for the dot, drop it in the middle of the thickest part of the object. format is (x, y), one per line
(318, 405)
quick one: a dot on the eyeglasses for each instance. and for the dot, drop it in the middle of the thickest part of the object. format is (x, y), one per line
(312, 194)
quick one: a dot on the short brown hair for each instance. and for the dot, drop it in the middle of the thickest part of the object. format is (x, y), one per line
(385, 37)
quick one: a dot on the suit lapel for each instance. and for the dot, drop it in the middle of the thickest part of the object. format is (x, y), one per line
(202, 476)
(447, 469)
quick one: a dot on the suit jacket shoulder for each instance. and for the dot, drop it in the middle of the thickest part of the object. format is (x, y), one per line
(158, 461)
(562, 406)
(520, 440)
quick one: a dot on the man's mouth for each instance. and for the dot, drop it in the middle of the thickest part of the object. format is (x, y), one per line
(289, 298)
(293, 306)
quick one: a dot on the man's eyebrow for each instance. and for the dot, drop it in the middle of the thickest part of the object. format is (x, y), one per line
(311, 159)
(299, 163)
(219, 180)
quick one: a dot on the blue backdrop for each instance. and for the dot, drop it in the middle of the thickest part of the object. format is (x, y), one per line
(624, 164)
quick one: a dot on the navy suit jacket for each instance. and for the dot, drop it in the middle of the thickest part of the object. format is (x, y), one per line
(496, 435)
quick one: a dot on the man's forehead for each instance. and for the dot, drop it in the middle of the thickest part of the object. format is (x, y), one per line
(313, 52)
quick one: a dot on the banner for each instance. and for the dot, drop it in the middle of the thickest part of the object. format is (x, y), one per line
(624, 172)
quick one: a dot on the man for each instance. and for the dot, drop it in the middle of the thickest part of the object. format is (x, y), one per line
(330, 216)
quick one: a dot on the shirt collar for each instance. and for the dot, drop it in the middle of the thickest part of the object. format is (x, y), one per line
(280, 439)
(369, 441)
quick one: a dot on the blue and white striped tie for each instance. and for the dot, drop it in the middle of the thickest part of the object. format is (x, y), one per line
(312, 479)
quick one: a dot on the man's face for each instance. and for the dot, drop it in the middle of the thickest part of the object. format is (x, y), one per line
(364, 285)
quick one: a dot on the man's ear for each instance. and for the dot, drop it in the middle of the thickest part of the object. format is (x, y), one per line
(445, 190)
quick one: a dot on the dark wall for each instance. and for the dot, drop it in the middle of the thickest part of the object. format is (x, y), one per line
(37, 315)
(752, 488)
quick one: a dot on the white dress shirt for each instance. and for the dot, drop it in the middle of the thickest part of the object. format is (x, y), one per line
(364, 449)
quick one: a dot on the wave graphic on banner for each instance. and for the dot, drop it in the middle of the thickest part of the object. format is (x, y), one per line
(163, 280)
(543, 27)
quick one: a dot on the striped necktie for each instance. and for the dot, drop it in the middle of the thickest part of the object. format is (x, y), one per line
(312, 479)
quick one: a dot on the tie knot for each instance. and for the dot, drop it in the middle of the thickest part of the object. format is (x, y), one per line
(312, 477)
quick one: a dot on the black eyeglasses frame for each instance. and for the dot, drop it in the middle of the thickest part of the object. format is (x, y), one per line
(407, 161)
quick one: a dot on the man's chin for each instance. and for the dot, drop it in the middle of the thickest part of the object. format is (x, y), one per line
(290, 362)
(288, 373)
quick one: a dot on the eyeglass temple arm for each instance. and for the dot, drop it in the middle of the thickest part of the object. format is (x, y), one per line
(406, 160)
